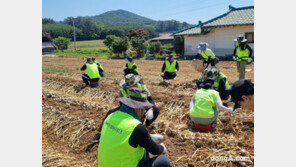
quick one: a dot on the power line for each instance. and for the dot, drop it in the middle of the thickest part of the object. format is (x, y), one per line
(202, 8)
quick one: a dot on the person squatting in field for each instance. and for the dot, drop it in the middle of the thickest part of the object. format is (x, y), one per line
(220, 81)
(130, 67)
(207, 54)
(131, 81)
(169, 68)
(125, 141)
(93, 73)
(242, 94)
(204, 107)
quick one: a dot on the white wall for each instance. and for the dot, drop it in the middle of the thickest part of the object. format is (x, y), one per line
(220, 40)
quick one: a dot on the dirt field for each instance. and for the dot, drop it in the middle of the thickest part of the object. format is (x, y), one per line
(70, 116)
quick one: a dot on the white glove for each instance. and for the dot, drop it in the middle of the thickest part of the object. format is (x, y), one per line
(124, 67)
(149, 114)
(176, 70)
(231, 110)
(234, 58)
(162, 74)
(164, 148)
(157, 138)
(123, 73)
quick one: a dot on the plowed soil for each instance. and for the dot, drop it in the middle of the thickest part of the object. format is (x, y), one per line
(71, 115)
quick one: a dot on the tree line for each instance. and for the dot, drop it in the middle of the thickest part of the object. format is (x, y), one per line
(87, 29)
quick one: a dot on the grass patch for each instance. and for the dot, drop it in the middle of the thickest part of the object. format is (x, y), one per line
(99, 52)
(53, 69)
(86, 44)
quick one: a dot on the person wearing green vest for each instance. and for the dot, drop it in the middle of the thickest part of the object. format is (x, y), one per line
(207, 54)
(220, 81)
(131, 81)
(100, 66)
(92, 75)
(205, 104)
(169, 68)
(242, 94)
(242, 54)
(130, 67)
(125, 141)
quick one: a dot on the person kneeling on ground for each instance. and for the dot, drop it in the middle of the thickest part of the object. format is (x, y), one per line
(169, 68)
(130, 67)
(125, 141)
(131, 81)
(220, 81)
(242, 94)
(92, 75)
(204, 107)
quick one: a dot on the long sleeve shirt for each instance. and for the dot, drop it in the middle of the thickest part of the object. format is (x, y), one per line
(248, 47)
(164, 66)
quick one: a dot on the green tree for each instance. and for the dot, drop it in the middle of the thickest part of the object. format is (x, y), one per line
(61, 43)
(120, 45)
(48, 21)
(140, 45)
(63, 30)
(109, 40)
(179, 44)
(155, 48)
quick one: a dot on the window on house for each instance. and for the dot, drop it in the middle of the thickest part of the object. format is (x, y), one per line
(250, 37)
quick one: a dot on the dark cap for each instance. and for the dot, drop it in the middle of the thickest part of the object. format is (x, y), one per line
(240, 88)
(130, 59)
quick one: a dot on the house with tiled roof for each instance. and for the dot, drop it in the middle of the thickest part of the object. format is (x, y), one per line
(220, 32)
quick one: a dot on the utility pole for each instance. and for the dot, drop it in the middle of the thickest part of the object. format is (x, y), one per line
(74, 35)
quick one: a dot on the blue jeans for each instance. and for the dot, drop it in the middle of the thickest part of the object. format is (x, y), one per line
(159, 161)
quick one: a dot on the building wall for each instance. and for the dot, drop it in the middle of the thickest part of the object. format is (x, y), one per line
(220, 40)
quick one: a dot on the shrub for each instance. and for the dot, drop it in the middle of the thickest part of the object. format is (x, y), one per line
(109, 40)
(120, 45)
(140, 45)
(61, 43)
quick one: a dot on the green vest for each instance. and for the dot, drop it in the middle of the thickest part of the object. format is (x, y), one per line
(170, 67)
(241, 54)
(125, 92)
(205, 101)
(114, 149)
(92, 70)
(216, 83)
(204, 54)
(130, 66)
(101, 67)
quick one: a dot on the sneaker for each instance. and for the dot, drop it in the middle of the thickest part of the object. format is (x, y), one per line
(96, 138)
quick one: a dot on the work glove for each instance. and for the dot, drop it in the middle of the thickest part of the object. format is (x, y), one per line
(162, 74)
(234, 58)
(231, 110)
(157, 138)
(164, 148)
(249, 61)
(123, 73)
(124, 67)
(176, 70)
(149, 114)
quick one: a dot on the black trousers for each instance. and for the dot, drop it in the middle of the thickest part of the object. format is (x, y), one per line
(159, 161)
(86, 79)
(169, 75)
(207, 63)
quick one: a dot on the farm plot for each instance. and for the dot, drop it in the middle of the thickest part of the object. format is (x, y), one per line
(71, 116)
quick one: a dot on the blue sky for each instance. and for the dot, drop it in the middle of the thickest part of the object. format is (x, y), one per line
(190, 11)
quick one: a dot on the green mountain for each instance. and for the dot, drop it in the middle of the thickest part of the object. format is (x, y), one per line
(122, 18)
(125, 18)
